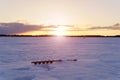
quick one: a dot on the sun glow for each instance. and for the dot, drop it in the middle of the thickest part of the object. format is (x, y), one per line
(59, 31)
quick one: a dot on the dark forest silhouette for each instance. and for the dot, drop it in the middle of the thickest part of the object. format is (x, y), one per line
(5, 35)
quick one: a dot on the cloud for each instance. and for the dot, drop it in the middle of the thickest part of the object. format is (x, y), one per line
(113, 27)
(14, 28)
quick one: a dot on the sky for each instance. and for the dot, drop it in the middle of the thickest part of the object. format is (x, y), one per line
(60, 17)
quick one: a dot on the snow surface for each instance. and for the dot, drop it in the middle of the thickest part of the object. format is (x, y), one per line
(98, 58)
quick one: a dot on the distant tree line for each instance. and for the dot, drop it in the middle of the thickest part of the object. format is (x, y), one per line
(5, 35)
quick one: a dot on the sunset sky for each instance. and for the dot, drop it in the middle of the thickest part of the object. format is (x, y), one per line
(60, 17)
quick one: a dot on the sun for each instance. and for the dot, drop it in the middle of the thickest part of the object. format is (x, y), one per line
(59, 31)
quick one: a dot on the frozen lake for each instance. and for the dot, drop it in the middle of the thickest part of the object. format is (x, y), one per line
(98, 58)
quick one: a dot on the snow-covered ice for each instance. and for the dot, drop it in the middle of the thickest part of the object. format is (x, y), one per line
(98, 58)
